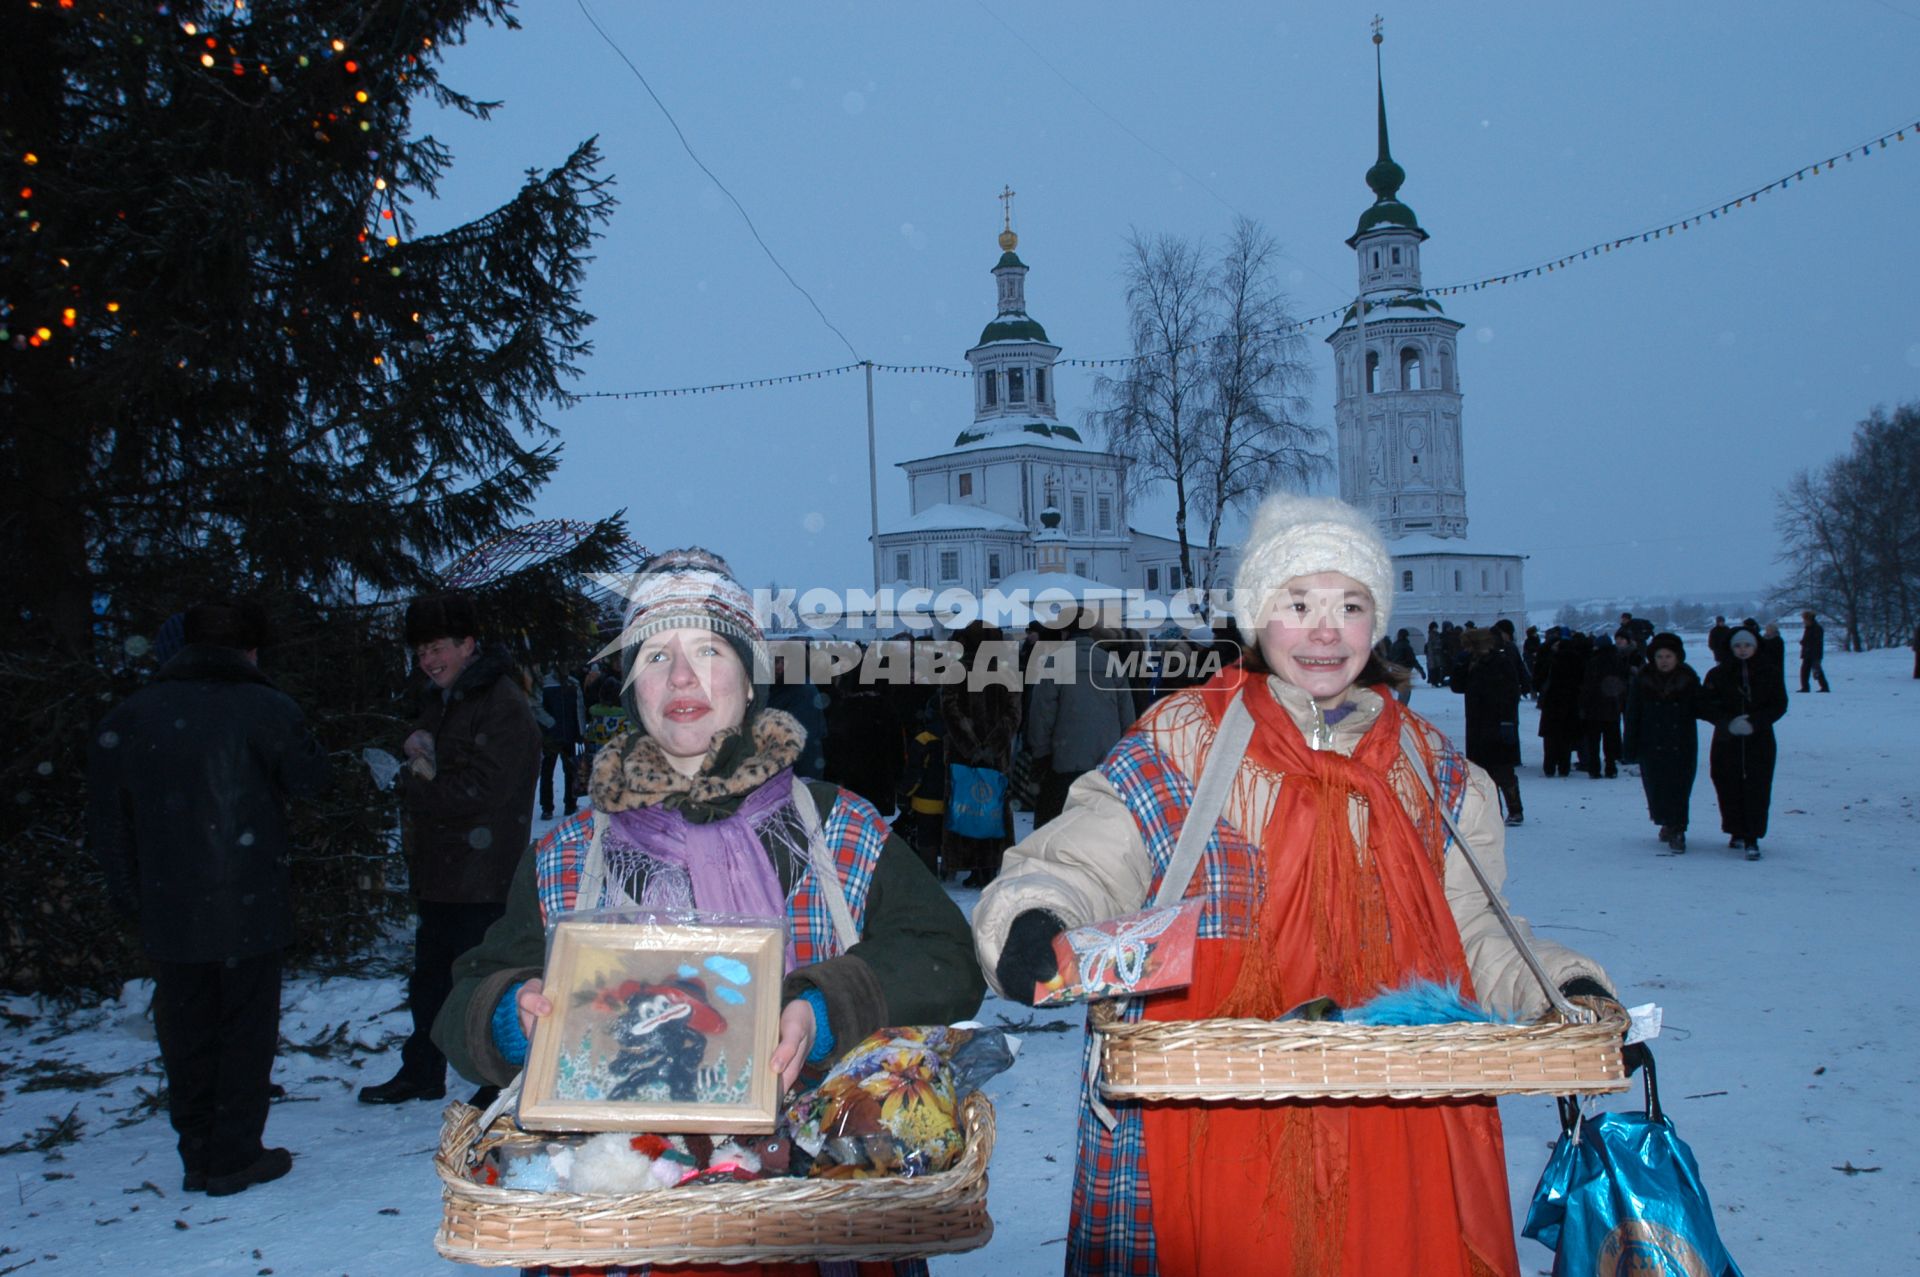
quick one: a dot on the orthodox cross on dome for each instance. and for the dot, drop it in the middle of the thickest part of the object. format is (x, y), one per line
(1377, 37)
(1007, 238)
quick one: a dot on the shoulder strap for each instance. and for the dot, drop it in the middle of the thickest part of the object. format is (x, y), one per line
(1411, 747)
(1209, 800)
(824, 870)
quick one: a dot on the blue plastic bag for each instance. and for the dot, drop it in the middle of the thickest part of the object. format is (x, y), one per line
(976, 801)
(1622, 1194)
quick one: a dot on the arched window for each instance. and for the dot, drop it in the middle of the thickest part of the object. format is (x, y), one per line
(1376, 259)
(1410, 371)
(1016, 386)
(1373, 372)
(1446, 369)
(1456, 581)
(1406, 579)
(1039, 385)
(1483, 580)
(1396, 257)
(992, 382)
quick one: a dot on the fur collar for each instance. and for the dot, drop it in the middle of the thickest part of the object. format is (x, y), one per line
(633, 771)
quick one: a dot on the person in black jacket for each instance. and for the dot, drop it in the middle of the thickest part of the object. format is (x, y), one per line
(1488, 674)
(1663, 736)
(1558, 674)
(1717, 639)
(1743, 698)
(1813, 652)
(1603, 697)
(468, 798)
(186, 810)
(563, 726)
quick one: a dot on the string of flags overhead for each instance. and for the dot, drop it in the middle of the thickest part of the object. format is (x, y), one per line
(1338, 313)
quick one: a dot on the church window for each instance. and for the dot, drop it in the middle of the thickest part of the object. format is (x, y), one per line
(993, 567)
(1456, 581)
(1410, 370)
(1373, 372)
(1396, 257)
(1016, 386)
(1039, 385)
(1509, 580)
(902, 565)
(992, 381)
(1484, 574)
(949, 565)
(1406, 579)
(1153, 579)
(1079, 512)
(1079, 567)
(1446, 370)
(966, 483)
(1173, 577)
(1105, 508)
(1376, 259)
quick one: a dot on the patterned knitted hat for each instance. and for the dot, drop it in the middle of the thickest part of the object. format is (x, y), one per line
(692, 589)
(1295, 536)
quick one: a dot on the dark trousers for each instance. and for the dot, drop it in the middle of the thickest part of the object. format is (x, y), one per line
(1052, 799)
(568, 779)
(1557, 755)
(445, 931)
(1601, 738)
(219, 1028)
(1508, 782)
(1742, 772)
(1810, 665)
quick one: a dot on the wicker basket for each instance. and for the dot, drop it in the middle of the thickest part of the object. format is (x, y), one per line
(1280, 1060)
(764, 1220)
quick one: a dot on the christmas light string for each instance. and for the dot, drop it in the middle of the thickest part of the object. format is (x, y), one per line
(219, 54)
(1342, 312)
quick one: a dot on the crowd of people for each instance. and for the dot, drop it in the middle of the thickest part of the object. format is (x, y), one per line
(1625, 698)
(688, 782)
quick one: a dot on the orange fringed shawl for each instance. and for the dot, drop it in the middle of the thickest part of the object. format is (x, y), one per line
(1326, 1187)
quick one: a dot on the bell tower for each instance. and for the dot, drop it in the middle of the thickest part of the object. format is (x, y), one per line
(1397, 404)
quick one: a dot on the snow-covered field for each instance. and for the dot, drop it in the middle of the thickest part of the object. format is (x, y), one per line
(1787, 1061)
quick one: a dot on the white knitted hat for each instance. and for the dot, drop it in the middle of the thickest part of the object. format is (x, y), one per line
(1294, 536)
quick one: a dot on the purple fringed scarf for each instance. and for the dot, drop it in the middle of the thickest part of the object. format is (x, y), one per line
(725, 861)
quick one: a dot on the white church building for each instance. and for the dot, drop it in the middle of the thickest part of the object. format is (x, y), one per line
(978, 510)
(1398, 421)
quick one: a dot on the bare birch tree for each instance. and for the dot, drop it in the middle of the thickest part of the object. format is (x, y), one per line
(1254, 427)
(1214, 405)
(1148, 412)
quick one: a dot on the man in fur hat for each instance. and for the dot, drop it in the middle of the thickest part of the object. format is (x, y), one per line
(473, 759)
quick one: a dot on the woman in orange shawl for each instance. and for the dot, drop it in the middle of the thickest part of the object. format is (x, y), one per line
(1326, 876)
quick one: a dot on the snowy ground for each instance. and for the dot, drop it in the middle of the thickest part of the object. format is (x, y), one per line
(1787, 1061)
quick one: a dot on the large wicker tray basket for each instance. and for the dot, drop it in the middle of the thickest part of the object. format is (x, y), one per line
(1277, 1060)
(765, 1220)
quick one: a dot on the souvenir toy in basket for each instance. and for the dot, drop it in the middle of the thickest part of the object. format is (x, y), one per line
(1146, 952)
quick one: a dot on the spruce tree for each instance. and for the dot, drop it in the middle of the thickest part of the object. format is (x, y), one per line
(229, 364)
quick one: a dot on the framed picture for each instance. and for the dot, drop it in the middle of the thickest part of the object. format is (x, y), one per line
(659, 1024)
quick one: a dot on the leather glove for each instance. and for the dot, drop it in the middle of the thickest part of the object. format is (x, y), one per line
(1026, 959)
(1741, 726)
(1634, 1056)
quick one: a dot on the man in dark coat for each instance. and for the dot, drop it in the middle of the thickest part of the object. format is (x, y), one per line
(1488, 674)
(1559, 670)
(468, 796)
(1717, 639)
(1813, 650)
(562, 730)
(1603, 698)
(186, 809)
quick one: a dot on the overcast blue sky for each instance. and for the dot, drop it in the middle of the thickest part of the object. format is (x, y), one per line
(1627, 420)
